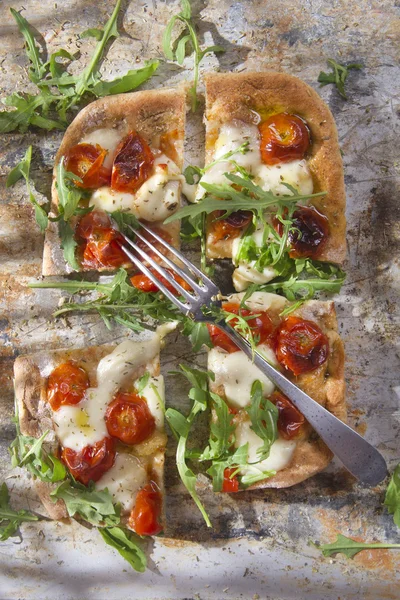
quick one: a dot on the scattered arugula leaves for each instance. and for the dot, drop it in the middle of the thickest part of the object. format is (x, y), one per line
(338, 76)
(193, 173)
(181, 427)
(392, 497)
(350, 548)
(127, 544)
(94, 506)
(264, 419)
(10, 519)
(175, 49)
(59, 93)
(22, 169)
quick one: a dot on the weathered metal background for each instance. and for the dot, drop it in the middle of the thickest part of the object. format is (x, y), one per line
(259, 546)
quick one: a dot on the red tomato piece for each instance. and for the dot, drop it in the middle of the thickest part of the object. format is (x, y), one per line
(309, 234)
(143, 283)
(99, 242)
(86, 161)
(301, 346)
(231, 227)
(230, 484)
(66, 385)
(290, 419)
(145, 517)
(284, 138)
(129, 419)
(90, 463)
(133, 163)
(219, 339)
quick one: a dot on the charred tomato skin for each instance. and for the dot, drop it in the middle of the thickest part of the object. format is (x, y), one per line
(309, 233)
(301, 346)
(284, 137)
(290, 419)
(86, 161)
(99, 243)
(132, 165)
(92, 462)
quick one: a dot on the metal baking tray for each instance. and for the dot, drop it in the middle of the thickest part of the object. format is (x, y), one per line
(259, 546)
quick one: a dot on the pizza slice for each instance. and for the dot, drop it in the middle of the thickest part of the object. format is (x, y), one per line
(103, 408)
(271, 444)
(274, 132)
(121, 153)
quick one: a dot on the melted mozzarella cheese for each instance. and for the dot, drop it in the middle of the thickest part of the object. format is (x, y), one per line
(260, 301)
(106, 138)
(232, 136)
(154, 392)
(237, 374)
(82, 425)
(245, 274)
(155, 200)
(280, 454)
(125, 478)
(296, 173)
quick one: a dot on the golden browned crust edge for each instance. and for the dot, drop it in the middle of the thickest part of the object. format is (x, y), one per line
(326, 385)
(35, 417)
(236, 95)
(151, 113)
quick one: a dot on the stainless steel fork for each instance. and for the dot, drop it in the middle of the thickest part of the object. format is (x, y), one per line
(356, 454)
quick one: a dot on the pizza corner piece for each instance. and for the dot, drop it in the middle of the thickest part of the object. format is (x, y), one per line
(273, 446)
(99, 412)
(271, 139)
(122, 155)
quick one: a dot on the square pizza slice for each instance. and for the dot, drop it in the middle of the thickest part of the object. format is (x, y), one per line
(121, 153)
(272, 131)
(274, 445)
(103, 409)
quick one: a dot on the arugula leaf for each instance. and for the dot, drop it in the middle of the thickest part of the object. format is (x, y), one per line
(181, 427)
(68, 243)
(264, 419)
(350, 547)
(21, 170)
(221, 431)
(95, 506)
(69, 195)
(193, 173)
(60, 93)
(198, 334)
(127, 544)
(338, 76)
(142, 382)
(10, 519)
(123, 219)
(392, 497)
(176, 49)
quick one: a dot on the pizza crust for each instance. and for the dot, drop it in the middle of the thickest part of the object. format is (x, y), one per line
(239, 96)
(152, 113)
(326, 385)
(35, 416)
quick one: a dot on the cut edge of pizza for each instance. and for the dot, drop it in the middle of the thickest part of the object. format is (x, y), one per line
(103, 407)
(291, 139)
(127, 151)
(306, 346)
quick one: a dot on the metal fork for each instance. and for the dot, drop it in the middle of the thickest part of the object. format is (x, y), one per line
(357, 455)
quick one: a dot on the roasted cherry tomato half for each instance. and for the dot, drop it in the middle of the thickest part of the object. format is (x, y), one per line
(301, 346)
(99, 242)
(143, 283)
(290, 419)
(66, 385)
(90, 463)
(129, 419)
(284, 138)
(309, 233)
(261, 326)
(145, 517)
(231, 227)
(86, 161)
(133, 163)
(230, 484)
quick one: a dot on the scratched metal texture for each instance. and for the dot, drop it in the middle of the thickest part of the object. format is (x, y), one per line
(259, 545)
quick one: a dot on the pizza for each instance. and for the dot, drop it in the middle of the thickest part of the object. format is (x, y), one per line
(291, 140)
(307, 348)
(104, 409)
(127, 151)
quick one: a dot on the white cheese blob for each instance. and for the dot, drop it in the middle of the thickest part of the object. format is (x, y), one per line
(82, 425)
(232, 136)
(237, 374)
(106, 138)
(246, 273)
(155, 200)
(280, 454)
(125, 478)
(261, 301)
(296, 173)
(154, 392)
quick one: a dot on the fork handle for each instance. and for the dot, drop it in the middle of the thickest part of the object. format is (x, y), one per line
(357, 455)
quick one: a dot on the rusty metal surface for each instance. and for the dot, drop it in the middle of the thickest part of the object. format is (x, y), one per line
(259, 546)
